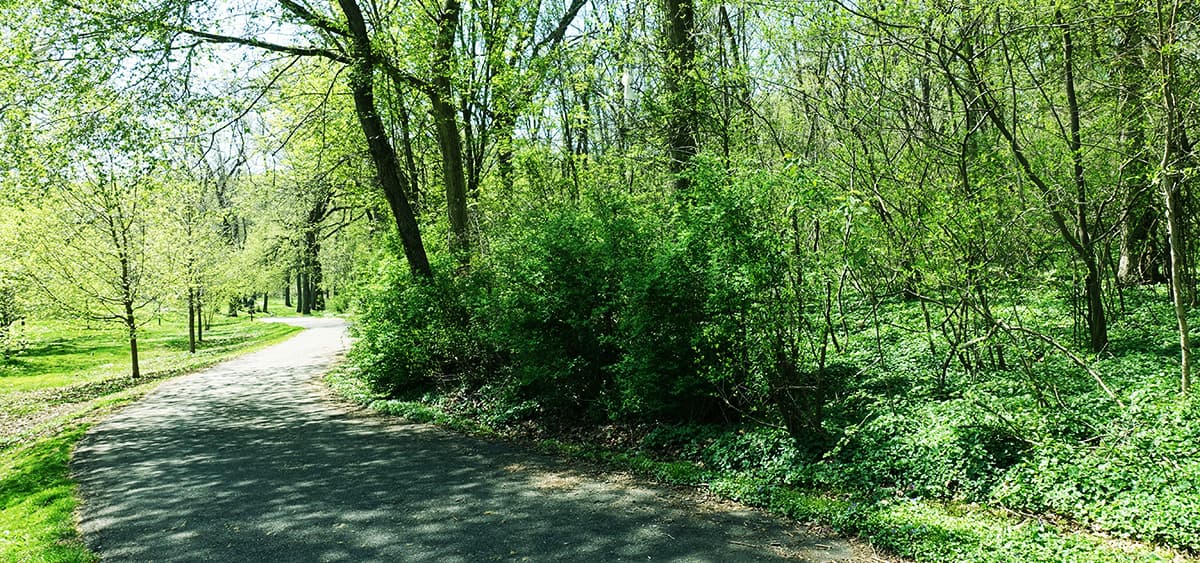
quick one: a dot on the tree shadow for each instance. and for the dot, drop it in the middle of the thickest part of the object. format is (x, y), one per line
(247, 462)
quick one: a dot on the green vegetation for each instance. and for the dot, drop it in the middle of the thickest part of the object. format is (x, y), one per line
(61, 353)
(37, 501)
(762, 476)
(918, 264)
(67, 378)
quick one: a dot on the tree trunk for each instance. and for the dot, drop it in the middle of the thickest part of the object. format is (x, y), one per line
(300, 288)
(395, 184)
(305, 294)
(315, 282)
(287, 289)
(682, 87)
(505, 126)
(199, 315)
(1171, 177)
(410, 159)
(1140, 254)
(266, 297)
(131, 325)
(446, 125)
(1094, 283)
(191, 320)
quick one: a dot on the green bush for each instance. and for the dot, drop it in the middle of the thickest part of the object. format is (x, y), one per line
(418, 335)
(553, 309)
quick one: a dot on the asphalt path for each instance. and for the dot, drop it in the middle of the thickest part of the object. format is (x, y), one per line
(252, 460)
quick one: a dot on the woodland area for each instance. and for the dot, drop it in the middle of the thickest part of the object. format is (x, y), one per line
(934, 251)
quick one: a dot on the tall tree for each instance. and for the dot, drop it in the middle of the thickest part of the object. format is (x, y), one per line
(90, 251)
(683, 86)
(1170, 175)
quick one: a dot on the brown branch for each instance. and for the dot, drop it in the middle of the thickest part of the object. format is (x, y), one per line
(265, 45)
(314, 19)
(552, 41)
(1074, 358)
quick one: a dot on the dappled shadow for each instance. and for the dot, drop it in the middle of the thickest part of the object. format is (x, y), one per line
(246, 461)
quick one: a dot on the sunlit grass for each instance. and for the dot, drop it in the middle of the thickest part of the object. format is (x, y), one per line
(62, 353)
(37, 502)
(84, 372)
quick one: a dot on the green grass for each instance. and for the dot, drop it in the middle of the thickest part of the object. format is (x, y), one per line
(62, 353)
(37, 502)
(68, 378)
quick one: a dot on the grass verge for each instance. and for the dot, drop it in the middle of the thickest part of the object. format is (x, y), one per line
(47, 413)
(921, 530)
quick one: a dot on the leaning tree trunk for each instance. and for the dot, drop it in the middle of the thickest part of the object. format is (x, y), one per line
(394, 182)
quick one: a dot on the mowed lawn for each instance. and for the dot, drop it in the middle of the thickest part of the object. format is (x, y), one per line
(68, 377)
(62, 353)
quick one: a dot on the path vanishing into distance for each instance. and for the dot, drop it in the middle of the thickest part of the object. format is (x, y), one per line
(252, 460)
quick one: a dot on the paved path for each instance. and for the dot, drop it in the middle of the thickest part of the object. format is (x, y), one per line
(251, 461)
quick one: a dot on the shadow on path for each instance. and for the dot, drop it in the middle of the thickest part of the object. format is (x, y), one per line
(247, 462)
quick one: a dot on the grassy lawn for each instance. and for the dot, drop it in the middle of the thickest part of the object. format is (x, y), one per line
(62, 354)
(67, 379)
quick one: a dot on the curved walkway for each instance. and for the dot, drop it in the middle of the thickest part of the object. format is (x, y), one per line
(250, 461)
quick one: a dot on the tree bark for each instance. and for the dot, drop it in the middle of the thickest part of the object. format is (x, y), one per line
(300, 287)
(131, 325)
(1172, 179)
(199, 315)
(446, 125)
(1140, 250)
(287, 289)
(682, 86)
(393, 181)
(505, 126)
(1097, 322)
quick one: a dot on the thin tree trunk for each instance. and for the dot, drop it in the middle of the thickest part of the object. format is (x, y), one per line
(199, 315)
(287, 289)
(410, 159)
(1172, 180)
(446, 126)
(191, 320)
(505, 129)
(131, 325)
(1094, 283)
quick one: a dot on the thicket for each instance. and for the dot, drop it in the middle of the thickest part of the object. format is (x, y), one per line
(759, 324)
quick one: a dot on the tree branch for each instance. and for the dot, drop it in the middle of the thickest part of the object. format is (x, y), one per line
(314, 19)
(552, 41)
(265, 45)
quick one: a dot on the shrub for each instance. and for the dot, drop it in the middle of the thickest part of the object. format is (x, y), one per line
(418, 335)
